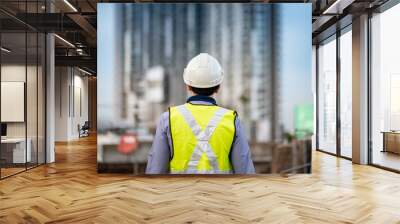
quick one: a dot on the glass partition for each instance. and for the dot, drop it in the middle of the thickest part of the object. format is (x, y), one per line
(31, 99)
(327, 95)
(22, 88)
(14, 153)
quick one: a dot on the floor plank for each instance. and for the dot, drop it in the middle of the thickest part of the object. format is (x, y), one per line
(71, 191)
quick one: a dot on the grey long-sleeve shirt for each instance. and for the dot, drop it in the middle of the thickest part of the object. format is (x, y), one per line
(161, 151)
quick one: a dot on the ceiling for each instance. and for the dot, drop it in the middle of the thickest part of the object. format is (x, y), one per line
(75, 22)
(331, 15)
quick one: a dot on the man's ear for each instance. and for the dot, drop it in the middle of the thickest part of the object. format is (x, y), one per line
(217, 90)
(189, 89)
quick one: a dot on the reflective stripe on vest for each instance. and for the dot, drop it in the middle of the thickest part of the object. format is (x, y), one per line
(188, 154)
(195, 171)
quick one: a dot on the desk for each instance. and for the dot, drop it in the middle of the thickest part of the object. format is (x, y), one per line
(391, 141)
(16, 147)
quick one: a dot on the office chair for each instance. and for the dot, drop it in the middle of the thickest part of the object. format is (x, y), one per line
(84, 130)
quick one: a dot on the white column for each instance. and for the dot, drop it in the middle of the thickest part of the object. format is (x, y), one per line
(50, 99)
(360, 90)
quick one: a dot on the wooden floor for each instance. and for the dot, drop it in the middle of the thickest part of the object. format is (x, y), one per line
(5, 172)
(386, 159)
(70, 191)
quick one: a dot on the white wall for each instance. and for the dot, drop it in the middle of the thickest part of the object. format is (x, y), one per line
(34, 124)
(17, 73)
(62, 82)
(80, 94)
(71, 102)
(12, 73)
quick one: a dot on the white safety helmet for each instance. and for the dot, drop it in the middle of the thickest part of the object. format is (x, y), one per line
(203, 71)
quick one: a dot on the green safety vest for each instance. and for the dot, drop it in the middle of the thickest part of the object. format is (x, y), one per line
(202, 137)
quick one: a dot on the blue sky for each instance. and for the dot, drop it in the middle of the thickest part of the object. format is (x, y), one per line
(296, 54)
(105, 66)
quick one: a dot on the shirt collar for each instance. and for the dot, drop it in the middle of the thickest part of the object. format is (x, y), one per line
(202, 98)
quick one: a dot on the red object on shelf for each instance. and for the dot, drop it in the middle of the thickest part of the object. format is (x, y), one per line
(128, 143)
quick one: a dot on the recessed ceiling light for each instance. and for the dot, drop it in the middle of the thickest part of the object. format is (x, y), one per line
(65, 41)
(70, 5)
(84, 71)
(5, 50)
(337, 7)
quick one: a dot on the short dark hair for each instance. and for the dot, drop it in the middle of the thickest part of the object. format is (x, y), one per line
(204, 91)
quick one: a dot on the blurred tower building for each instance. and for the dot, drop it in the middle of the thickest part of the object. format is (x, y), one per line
(246, 60)
(127, 52)
(180, 51)
(153, 36)
(246, 67)
(136, 60)
(115, 106)
(261, 55)
(275, 89)
(219, 27)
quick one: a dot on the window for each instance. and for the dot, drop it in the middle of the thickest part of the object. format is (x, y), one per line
(385, 89)
(327, 96)
(346, 93)
(331, 79)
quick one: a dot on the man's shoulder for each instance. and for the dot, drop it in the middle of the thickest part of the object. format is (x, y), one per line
(163, 121)
(165, 115)
(175, 106)
(233, 112)
(164, 118)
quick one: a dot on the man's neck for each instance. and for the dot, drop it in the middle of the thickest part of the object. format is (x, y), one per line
(204, 98)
